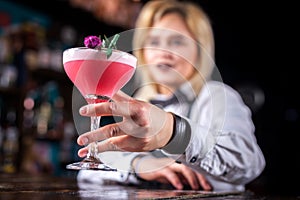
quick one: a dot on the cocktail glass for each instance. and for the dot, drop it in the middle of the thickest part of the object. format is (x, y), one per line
(98, 78)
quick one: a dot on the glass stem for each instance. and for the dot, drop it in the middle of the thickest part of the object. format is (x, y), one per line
(93, 150)
(95, 123)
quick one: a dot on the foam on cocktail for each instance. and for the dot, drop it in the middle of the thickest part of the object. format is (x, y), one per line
(94, 54)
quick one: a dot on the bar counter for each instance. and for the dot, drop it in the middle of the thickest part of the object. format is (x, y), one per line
(14, 187)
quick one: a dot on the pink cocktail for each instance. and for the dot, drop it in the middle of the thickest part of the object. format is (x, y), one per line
(97, 78)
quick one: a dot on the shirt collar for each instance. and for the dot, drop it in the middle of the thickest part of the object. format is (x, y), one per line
(184, 94)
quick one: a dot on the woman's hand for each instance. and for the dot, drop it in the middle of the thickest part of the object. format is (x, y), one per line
(144, 127)
(166, 170)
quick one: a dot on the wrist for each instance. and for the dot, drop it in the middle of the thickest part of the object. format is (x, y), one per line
(166, 134)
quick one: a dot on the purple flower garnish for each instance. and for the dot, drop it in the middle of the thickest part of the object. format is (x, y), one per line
(92, 41)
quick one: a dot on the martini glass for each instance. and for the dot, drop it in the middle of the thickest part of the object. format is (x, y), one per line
(98, 78)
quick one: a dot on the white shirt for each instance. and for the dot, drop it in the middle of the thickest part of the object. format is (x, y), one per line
(222, 147)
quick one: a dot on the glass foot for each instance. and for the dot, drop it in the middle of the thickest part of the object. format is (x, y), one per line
(90, 164)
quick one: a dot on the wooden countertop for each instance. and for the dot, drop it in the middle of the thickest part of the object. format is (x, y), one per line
(48, 187)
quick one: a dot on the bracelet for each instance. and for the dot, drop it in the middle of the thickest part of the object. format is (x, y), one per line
(180, 137)
(133, 168)
(137, 165)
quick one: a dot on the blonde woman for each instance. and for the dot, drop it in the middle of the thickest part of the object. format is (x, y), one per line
(181, 128)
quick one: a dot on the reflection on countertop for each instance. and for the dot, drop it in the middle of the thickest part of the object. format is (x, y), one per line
(14, 187)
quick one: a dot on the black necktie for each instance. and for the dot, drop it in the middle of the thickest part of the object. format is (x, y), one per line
(164, 103)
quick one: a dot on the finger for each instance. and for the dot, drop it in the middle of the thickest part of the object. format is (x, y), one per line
(109, 145)
(192, 179)
(88, 137)
(203, 182)
(83, 152)
(162, 180)
(99, 109)
(105, 132)
(121, 96)
(173, 179)
(102, 146)
(126, 109)
(188, 174)
(123, 143)
(105, 108)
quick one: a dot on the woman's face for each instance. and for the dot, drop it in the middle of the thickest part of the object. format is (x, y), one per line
(170, 51)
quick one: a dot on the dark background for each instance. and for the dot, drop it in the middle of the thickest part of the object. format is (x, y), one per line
(252, 54)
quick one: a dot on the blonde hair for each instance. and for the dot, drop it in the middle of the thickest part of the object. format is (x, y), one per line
(199, 26)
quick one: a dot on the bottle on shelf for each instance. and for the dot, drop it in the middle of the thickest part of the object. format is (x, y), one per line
(10, 144)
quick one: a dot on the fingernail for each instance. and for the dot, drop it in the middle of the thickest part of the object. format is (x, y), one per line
(179, 186)
(113, 106)
(84, 141)
(208, 187)
(83, 110)
(82, 153)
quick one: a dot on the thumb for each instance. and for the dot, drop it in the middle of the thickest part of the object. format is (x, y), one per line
(121, 96)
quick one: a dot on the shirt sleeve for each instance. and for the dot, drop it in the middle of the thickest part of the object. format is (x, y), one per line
(119, 160)
(222, 143)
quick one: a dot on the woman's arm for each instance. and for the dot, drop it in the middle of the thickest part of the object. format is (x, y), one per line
(222, 143)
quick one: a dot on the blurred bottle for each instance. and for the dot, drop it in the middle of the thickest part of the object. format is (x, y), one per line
(50, 119)
(8, 76)
(11, 144)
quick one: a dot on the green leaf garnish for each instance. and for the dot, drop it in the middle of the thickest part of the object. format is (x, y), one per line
(110, 44)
